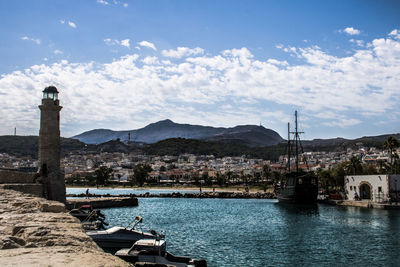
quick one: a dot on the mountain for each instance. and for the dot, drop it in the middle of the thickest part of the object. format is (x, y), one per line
(250, 135)
(342, 143)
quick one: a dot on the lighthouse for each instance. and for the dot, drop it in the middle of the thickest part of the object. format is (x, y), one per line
(49, 146)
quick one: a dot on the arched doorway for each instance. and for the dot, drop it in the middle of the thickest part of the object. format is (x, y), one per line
(365, 191)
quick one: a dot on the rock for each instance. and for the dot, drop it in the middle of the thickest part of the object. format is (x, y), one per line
(52, 207)
(37, 232)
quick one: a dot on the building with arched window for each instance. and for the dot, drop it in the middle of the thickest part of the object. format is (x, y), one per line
(376, 188)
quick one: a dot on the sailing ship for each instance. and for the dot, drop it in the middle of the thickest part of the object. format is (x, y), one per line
(298, 186)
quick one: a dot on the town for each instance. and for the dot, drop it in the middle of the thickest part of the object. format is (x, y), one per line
(123, 169)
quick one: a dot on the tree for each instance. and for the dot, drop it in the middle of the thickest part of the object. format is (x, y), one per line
(354, 166)
(369, 169)
(381, 166)
(266, 173)
(257, 177)
(338, 174)
(229, 176)
(140, 174)
(391, 144)
(325, 178)
(276, 176)
(90, 180)
(103, 175)
(221, 179)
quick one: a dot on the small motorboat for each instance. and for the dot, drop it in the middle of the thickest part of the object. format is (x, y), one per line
(92, 219)
(118, 237)
(154, 251)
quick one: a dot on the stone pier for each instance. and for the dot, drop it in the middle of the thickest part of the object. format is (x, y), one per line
(38, 232)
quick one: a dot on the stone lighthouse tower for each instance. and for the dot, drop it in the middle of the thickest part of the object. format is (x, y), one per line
(49, 146)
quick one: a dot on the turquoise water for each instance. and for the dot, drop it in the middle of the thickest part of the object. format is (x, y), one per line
(255, 232)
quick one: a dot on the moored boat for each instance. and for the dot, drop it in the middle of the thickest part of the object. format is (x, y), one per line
(118, 237)
(298, 186)
(154, 251)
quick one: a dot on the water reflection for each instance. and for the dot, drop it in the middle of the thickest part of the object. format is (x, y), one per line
(256, 232)
(298, 209)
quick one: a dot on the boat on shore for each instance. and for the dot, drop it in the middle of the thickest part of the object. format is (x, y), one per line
(297, 186)
(153, 251)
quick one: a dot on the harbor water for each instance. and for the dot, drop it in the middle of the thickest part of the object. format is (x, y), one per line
(257, 232)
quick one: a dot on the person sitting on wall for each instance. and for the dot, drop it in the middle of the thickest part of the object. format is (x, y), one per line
(356, 197)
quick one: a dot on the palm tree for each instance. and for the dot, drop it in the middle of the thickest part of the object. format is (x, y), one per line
(354, 166)
(391, 144)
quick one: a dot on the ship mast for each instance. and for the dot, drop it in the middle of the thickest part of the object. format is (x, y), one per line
(296, 141)
(289, 150)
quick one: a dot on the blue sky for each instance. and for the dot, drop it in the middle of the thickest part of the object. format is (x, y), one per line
(125, 64)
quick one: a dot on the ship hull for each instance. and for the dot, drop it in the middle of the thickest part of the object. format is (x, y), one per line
(304, 192)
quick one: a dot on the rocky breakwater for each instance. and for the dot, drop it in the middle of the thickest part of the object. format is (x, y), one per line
(38, 232)
(259, 195)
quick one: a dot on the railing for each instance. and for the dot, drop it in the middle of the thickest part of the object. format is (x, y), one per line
(380, 197)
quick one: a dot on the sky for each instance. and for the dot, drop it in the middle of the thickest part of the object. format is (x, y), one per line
(123, 64)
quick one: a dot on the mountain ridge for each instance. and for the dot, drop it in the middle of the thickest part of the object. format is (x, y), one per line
(250, 135)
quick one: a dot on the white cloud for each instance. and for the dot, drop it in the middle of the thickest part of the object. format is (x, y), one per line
(103, 2)
(277, 62)
(125, 43)
(26, 38)
(58, 52)
(150, 60)
(115, 2)
(111, 42)
(395, 33)
(342, 123)
(71, 24)
(357, 42)
(182, 52)
(351, 31)
(132, 91)
(148, 44)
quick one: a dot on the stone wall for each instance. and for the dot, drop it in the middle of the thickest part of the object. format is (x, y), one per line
(32, 189)
(38, 232)
(16, 177)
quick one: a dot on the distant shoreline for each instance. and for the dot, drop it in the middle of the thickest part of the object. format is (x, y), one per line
(232, 189)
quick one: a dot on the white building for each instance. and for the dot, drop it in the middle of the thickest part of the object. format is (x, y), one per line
(378, 188)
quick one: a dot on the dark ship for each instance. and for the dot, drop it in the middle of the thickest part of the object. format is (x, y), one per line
(298, 186)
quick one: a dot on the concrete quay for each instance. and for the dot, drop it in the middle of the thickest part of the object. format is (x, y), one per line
(38, 232)
(363, 204)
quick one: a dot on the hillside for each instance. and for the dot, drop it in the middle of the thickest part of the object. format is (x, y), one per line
(250, 135)
(28, 145)
(177, 146)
